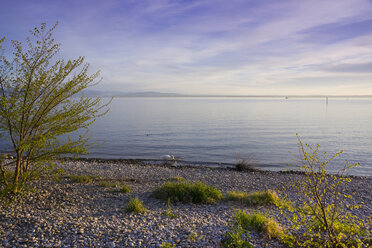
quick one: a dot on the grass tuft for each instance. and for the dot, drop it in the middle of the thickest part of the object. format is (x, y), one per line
(238, 196)
(176, 179)
(247, 164)
(187, 192)
(81, 178)
(9, 175)
(237, 237)
(118, 186)
(135, 205)
(167, 245)
(169, 212)
(267, 197)
(125, 189)
(258, 222)
(106, 184)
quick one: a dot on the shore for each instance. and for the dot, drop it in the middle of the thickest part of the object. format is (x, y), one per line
(68, 214)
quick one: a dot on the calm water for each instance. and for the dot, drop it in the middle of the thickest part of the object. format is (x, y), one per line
(218, 130)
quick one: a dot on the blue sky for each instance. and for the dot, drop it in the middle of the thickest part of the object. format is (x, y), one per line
(210, 47)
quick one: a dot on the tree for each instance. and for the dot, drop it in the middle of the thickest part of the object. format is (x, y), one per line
(42, 106)
(323, 213)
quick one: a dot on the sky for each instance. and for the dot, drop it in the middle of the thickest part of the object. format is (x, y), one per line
(234, 47)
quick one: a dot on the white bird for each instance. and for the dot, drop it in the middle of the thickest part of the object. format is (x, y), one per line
(168, 158)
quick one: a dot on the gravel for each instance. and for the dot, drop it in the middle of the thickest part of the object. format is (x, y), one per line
(68, 214)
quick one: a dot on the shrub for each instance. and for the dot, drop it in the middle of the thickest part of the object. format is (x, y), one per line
(135, 205)
(125, 189)
(323, 218)
(256, 198)
(187, 192)
(81, 178)
(258, 222)
(246, 164)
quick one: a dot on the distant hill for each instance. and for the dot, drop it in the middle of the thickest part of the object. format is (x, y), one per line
(150, 94)
(129, 94)
(108, 93)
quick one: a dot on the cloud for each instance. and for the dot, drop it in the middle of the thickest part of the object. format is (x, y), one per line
(210, 46)
(334, 32)
(349, 68)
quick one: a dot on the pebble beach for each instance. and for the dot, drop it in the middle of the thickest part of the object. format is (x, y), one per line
(69, 214)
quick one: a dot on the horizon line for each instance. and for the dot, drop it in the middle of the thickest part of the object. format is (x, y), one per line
(208, 95)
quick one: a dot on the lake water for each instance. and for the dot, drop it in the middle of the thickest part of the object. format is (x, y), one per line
(219, 130)
(211, 131)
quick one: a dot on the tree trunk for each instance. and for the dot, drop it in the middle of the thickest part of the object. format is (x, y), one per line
(17, 173)
(2, 168)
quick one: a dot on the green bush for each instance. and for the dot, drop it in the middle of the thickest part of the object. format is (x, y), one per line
(258, 222)
(322, 218)
(187, 192)
(135, 205)
(256, 198)
(125, 189)
(81, 178)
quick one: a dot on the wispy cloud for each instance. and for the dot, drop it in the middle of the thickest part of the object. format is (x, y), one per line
(243, 47)
(350, 68)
